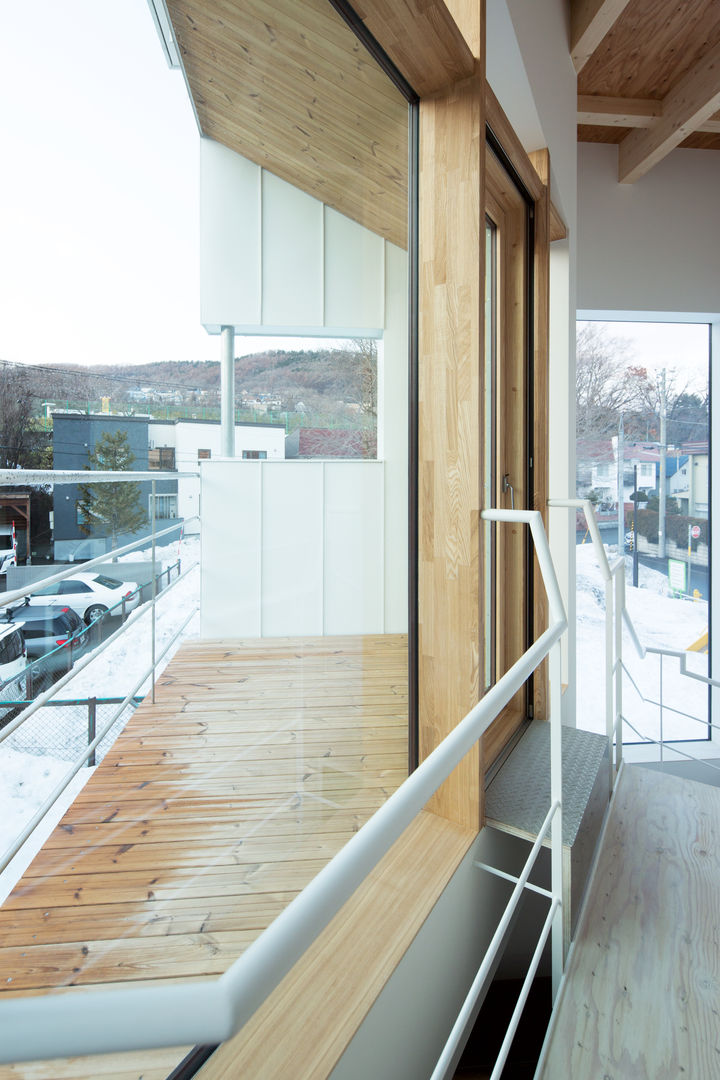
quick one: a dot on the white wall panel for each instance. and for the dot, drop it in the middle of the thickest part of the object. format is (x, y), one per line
(229, 237)
(354, 542)
(277, 260)
(292, 549)
(231, 545)
(646, 247)
(354, 274)
(292, 255)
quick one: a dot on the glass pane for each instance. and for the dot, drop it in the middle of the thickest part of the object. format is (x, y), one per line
(276, 747)
(643, 457)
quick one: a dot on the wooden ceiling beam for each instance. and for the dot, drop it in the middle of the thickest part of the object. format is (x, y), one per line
(688, 105)
(422, 39)
(590, 21)
(598, 111)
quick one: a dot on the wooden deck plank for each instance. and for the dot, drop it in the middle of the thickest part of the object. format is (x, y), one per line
(212, 811)
(641, 994)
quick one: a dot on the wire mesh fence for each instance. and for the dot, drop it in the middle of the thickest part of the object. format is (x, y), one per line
(63, 728)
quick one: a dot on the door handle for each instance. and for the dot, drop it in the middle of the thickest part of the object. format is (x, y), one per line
(507, 486)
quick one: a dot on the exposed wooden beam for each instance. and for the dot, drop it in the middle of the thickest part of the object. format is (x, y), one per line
(688, 105)
(590, 21)
(422, 39)
(598, 111)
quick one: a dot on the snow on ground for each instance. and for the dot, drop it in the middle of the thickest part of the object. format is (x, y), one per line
(28, 772)
(660, 621)
(25, 782)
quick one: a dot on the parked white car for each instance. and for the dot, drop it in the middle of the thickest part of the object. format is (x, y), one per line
(90, 595)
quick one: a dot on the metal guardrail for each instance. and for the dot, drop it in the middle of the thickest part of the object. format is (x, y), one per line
(45, 477)
(617, 615)
(104, 1021)
(89, 750)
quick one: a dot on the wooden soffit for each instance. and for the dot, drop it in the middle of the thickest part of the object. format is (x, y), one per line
(648, 77)
(287, 84)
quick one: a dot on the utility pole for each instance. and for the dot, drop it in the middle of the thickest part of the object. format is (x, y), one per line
(620, 485)
(663, 472)
(635, 532)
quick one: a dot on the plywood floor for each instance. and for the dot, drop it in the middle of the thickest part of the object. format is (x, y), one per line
(214, 808)
(642, 995)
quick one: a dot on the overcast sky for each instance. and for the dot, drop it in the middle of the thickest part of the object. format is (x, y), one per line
(98, 189)
(99, 197)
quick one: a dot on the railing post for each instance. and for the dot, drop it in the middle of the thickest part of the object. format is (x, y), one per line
(662, 736)
(609, 673)
(92, 724)
(619, 608)
(557, 885)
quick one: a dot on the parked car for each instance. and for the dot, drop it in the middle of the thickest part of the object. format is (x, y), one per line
(8, 554)
(12, 665)
(89, 595)
(54, 636)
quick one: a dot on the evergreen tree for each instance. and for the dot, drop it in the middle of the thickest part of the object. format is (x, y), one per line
(114, 508)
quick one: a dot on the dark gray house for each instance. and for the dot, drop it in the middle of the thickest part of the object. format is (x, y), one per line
(75, 436)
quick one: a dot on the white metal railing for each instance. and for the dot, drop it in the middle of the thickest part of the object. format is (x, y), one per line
(617, 616)
(59, 476)
(103, 1021)
(614, 578)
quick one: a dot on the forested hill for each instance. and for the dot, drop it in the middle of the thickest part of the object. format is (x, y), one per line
(319, 378)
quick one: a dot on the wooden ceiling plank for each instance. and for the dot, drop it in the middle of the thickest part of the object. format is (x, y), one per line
(693, 101)
(288, 86)
(590, 21)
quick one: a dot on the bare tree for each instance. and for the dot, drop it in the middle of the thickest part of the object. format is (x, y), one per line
(603, 389)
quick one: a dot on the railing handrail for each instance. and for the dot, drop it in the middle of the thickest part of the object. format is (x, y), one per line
(10, 597)
(43, 698)
(43, 477)
(109, 1020)
(609, 570)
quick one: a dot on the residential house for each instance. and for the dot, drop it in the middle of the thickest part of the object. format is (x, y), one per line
(163, 445)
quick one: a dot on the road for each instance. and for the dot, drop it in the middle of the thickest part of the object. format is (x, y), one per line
(699, 578)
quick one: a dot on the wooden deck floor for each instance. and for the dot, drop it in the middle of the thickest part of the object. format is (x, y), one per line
(642, 994)
(214, 808)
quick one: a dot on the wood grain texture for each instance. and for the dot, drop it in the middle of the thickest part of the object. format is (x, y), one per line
(211, 812)
(423, 40)
(451, 286)
(691, 101)
(641, 995)
(506, 208)
(590, 21)
(132, 1065)
(651, 47)
(287, 85)
(305, 1025)
(470, 17)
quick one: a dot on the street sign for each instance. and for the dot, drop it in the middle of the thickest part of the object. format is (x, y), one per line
(677, 575)
(695, 532)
